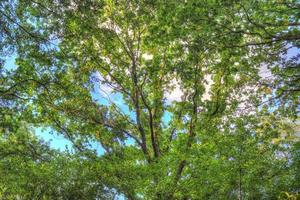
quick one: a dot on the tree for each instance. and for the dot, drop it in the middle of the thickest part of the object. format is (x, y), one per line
(221, 140)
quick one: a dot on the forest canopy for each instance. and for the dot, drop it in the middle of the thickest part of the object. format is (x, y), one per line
(158, 99)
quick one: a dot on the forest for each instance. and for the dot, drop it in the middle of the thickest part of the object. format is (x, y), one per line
(149, 99)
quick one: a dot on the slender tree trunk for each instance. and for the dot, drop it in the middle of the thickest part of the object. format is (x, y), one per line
(240, 197)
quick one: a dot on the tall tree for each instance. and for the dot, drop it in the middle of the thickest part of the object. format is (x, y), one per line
(224, 135)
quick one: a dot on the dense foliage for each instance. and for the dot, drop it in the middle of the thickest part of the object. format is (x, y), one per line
(188, 99)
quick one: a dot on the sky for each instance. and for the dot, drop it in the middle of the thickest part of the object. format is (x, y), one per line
(56, 140)
(102, 94)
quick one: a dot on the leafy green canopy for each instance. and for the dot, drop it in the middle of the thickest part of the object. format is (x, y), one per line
(229, 134)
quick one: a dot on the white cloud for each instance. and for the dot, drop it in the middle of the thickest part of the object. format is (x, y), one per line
(264, 72)
(175, 94)
(208, 83)
(147, 56)
(104, 89)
